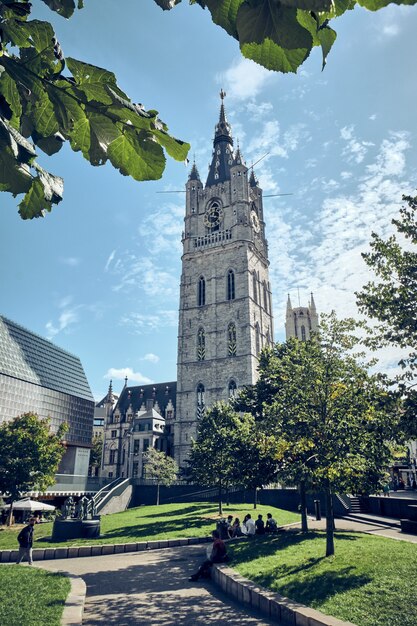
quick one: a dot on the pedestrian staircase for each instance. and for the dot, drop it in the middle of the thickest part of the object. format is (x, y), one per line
(106, 493)
(355, 505)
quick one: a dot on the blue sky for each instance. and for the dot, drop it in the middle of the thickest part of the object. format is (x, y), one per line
(100, 275)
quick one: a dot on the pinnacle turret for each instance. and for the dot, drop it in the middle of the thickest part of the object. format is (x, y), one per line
(219, 169)
(253, 181)
(238, 159)
(194, 174)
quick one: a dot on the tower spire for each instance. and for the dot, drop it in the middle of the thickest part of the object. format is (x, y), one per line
(219, 169)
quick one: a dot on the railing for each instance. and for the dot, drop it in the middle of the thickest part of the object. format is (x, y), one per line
(67, 484)
(213, 239)
(115, 488)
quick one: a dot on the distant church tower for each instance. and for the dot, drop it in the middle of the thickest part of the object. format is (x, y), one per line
(225, 311)
(301, 321)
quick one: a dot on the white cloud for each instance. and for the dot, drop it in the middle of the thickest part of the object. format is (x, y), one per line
(67, 318)
(245, 79)
(109, 260)
(152, 358)
(71, 261)
(123, 372)
(143, 323)
(162, 229)
(355, 150)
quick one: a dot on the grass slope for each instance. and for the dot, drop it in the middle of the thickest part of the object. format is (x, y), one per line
(31, 596)
(167, 521)
(369, 581)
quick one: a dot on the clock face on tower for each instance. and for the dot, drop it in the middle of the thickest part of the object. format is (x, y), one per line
(255, 222)
(213, 217)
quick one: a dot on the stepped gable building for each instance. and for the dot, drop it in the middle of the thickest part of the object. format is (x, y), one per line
(225, 312)
(142, 417)
(301, 321)
(37, 376)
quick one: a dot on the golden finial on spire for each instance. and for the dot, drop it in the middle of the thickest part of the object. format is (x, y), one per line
(222, 94)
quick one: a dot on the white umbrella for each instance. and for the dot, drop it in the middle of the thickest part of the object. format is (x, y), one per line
(30, 505)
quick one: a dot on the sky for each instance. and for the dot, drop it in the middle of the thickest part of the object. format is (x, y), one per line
(99, 276)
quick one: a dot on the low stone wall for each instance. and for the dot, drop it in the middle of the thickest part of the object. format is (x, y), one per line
(74, 552)
(271, 604)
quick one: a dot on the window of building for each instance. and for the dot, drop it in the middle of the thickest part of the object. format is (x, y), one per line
(230, 285)
(145, 444)
(201, 345)
(303, 333)
(254, 287)
(200, 400)
(265, 297)
(268, 338)
(257, 339)
(231, 339)
(113, 434)
(232, 389)
(201, 291)
(110, 474)
(136, 446)
(135, 469)
(112, 457)
(123, 456)
(116, 418)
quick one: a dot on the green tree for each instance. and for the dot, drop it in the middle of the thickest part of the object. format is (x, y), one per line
(29, 455)
(391, 301)
(161, 468)
(96, 454)
(221, 432)
(280, 34)
(331, 418)
(47, 99)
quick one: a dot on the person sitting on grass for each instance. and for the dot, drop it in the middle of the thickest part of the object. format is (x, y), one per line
(25, 539)
(271, 525)
(248, 526)
(229, 523)
(236, 530)
(260, 526)
(218, 554)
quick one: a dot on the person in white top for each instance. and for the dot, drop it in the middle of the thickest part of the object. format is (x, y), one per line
(248, 526)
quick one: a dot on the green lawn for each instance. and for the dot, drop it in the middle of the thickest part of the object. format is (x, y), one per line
(166, 521)
(370, 581)
(31, 596)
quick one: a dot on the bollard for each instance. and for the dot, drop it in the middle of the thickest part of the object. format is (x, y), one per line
(317, 509)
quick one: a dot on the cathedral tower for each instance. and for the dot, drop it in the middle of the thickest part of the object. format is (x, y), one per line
(225, 312)
(301, 321)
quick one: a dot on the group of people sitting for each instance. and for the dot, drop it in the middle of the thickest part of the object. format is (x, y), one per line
(218, 551)
(250, 527)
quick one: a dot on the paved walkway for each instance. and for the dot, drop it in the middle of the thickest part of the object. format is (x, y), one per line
(368, 524)
(152, 588)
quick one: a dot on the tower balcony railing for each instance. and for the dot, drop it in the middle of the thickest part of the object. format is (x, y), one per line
(213, 239)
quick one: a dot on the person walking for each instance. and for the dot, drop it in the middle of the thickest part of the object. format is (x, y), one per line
(25, 539)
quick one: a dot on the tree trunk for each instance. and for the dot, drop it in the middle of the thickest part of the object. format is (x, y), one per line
(329, 522)
(255, 498)
(220, 501)
(303, 507)
(9, 519)
(157, 494)
(227, 496)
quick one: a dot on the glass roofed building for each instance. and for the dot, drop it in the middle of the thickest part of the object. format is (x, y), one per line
(37, 376)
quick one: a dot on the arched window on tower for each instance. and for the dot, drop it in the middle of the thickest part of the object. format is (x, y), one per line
(303, 333)
(268, 338)
(257, 339)
(232, 389)
(255, 287)
(201, 403)
(201, 345)
(201, 291)
(230, 285)
(231, 339)
(265, 297)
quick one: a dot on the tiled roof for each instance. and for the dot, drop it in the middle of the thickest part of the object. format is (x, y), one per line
(29, 357)
(137, 396)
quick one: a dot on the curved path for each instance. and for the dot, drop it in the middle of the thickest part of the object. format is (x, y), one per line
(152, 588)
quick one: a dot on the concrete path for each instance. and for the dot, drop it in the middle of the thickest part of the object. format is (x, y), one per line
(371, 525)
(152, 588)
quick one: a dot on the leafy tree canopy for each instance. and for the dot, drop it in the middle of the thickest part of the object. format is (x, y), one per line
(160, 467)
(47, 100)
(391, 300)
(280, 34)
(29, 454)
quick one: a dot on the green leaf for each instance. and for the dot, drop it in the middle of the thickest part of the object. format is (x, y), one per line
(10, 92)
(44, 118)
(327, 37)
(45, 190)
(80, 137)
(87, 73)
(49, 145)
(271, 35)
(309, 5)
(224, 13)
(176, 148)
(63, 7)
(374, 5)
(137, 155)
(167, 5)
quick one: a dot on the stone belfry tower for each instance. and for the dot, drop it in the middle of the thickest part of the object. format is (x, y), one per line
(301, 321)
(225, 312)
